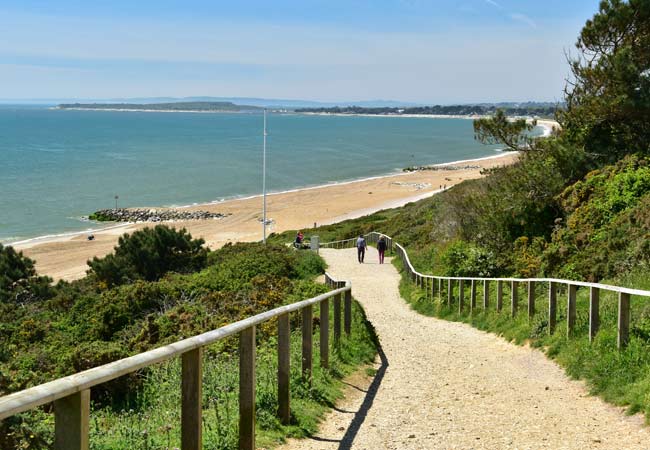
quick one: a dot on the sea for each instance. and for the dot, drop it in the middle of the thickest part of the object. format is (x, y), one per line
(58, 166)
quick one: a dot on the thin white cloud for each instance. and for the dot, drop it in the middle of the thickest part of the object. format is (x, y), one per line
(517, 17)
(493, 3)
(524, 19)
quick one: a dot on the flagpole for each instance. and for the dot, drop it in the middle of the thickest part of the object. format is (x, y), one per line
(264, 183)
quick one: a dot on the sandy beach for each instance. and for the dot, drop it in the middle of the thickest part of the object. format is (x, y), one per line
(65, 257)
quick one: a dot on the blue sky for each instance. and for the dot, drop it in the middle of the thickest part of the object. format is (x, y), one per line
(411, 50)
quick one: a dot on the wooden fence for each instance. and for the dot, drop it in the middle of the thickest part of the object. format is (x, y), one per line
(71, 394)
(437, 285)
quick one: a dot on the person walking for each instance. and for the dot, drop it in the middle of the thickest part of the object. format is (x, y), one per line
(381, 248)
(361, 248)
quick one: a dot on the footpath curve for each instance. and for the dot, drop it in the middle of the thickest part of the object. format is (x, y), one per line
(447, 385)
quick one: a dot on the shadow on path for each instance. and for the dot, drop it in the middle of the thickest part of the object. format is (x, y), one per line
(360, 415)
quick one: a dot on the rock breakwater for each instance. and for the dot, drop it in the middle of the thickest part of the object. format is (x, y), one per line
(151, 215)
(420, 168)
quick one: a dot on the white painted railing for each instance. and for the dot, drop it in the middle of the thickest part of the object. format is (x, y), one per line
(71, 394)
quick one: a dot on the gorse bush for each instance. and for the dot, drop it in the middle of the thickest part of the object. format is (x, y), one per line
(607, 223)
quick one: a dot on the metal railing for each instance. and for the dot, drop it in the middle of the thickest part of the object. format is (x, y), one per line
(432, 284)
(71, 394)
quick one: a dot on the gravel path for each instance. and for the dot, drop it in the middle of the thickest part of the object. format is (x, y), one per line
(447, 385)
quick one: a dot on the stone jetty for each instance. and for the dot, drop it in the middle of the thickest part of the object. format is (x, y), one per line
(151, 215)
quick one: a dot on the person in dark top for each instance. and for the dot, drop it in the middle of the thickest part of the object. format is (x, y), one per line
(361, 248)
(299, 238)
(381, 248)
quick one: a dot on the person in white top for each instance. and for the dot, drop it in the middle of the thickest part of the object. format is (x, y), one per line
(361, 248)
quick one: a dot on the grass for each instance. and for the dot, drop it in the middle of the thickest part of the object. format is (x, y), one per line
(153, 421)
(619, 377)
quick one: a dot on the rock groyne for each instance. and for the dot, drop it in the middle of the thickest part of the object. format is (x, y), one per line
(151, 215)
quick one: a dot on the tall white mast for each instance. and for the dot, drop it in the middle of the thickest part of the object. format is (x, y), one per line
(264, 183)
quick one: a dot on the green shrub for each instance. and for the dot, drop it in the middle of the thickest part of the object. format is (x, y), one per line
(148, 254)
(468, 260)
(19, 282)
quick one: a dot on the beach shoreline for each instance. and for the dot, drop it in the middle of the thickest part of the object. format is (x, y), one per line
(100, 227)
(65, 256)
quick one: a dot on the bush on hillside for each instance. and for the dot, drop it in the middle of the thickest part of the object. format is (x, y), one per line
(148, 254)
(607, 223)
(467, 260)
(19, 282)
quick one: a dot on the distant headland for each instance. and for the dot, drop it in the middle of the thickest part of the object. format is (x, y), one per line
(514, 109)
(163, 107)
(529, 109)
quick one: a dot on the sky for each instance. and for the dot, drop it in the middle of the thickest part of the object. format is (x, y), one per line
(432, 52)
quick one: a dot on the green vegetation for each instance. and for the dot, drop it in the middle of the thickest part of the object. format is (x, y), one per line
(19, 282)
(154, 418)
(608, 100)
(511, 109)
(101, 216)
(576, 205)
(148, 255)
(176, 106)
(159, 286)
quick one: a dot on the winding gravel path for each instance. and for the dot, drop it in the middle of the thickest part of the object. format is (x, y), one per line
(447, 385)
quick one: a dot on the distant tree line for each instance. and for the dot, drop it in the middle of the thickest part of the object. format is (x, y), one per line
(526, 109)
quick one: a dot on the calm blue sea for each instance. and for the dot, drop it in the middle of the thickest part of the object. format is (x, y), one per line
(58, 166)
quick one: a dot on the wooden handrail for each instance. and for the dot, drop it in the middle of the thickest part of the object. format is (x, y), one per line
(607, 287)
(71, 394)
(421, 280)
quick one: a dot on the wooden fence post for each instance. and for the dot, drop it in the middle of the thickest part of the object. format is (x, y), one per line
(450, 291)
(247, 389)
(571, 309)
(514, 298)
(324, 328)
(307, 332)
(472, 297)
(71, 420)
(486, 294)
(284, 368)
(191, 400)
(347, 312)
(461, 295)
(337, 320)
(531, 299)
(499, 295)
(623, 319)
(594, 312)
(440, 288)
(433, 288)
(552, 306)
